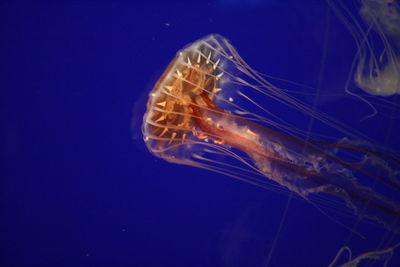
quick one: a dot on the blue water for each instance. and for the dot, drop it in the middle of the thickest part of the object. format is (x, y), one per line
(78, 190)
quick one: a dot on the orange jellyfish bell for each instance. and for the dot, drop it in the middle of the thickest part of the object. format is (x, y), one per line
(189, 83)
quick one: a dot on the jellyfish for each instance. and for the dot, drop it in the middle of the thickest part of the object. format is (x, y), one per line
(376, 32)
(206, 111)
(211, 110)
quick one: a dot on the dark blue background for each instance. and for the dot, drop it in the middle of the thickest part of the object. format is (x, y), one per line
(76, 190)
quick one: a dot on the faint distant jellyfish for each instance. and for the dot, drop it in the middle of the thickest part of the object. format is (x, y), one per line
(380, 74)
(205, 111)
(377, 35)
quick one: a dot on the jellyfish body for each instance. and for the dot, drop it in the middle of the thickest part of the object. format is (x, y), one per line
(377, 36)
(195, 116)
(380, 76)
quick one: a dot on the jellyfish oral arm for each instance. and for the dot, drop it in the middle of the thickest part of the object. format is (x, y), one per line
(304, 169)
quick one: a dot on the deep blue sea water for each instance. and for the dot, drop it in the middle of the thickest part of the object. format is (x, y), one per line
(76, 188)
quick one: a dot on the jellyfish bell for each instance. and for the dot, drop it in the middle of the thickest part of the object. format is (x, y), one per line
(376, 31)
(168, 126)
(380, 74)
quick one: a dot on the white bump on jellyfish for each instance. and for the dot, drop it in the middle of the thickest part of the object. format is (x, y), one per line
(208, 58)
(216, 64)
(230, 99)
(380, 77)
(168, 87)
